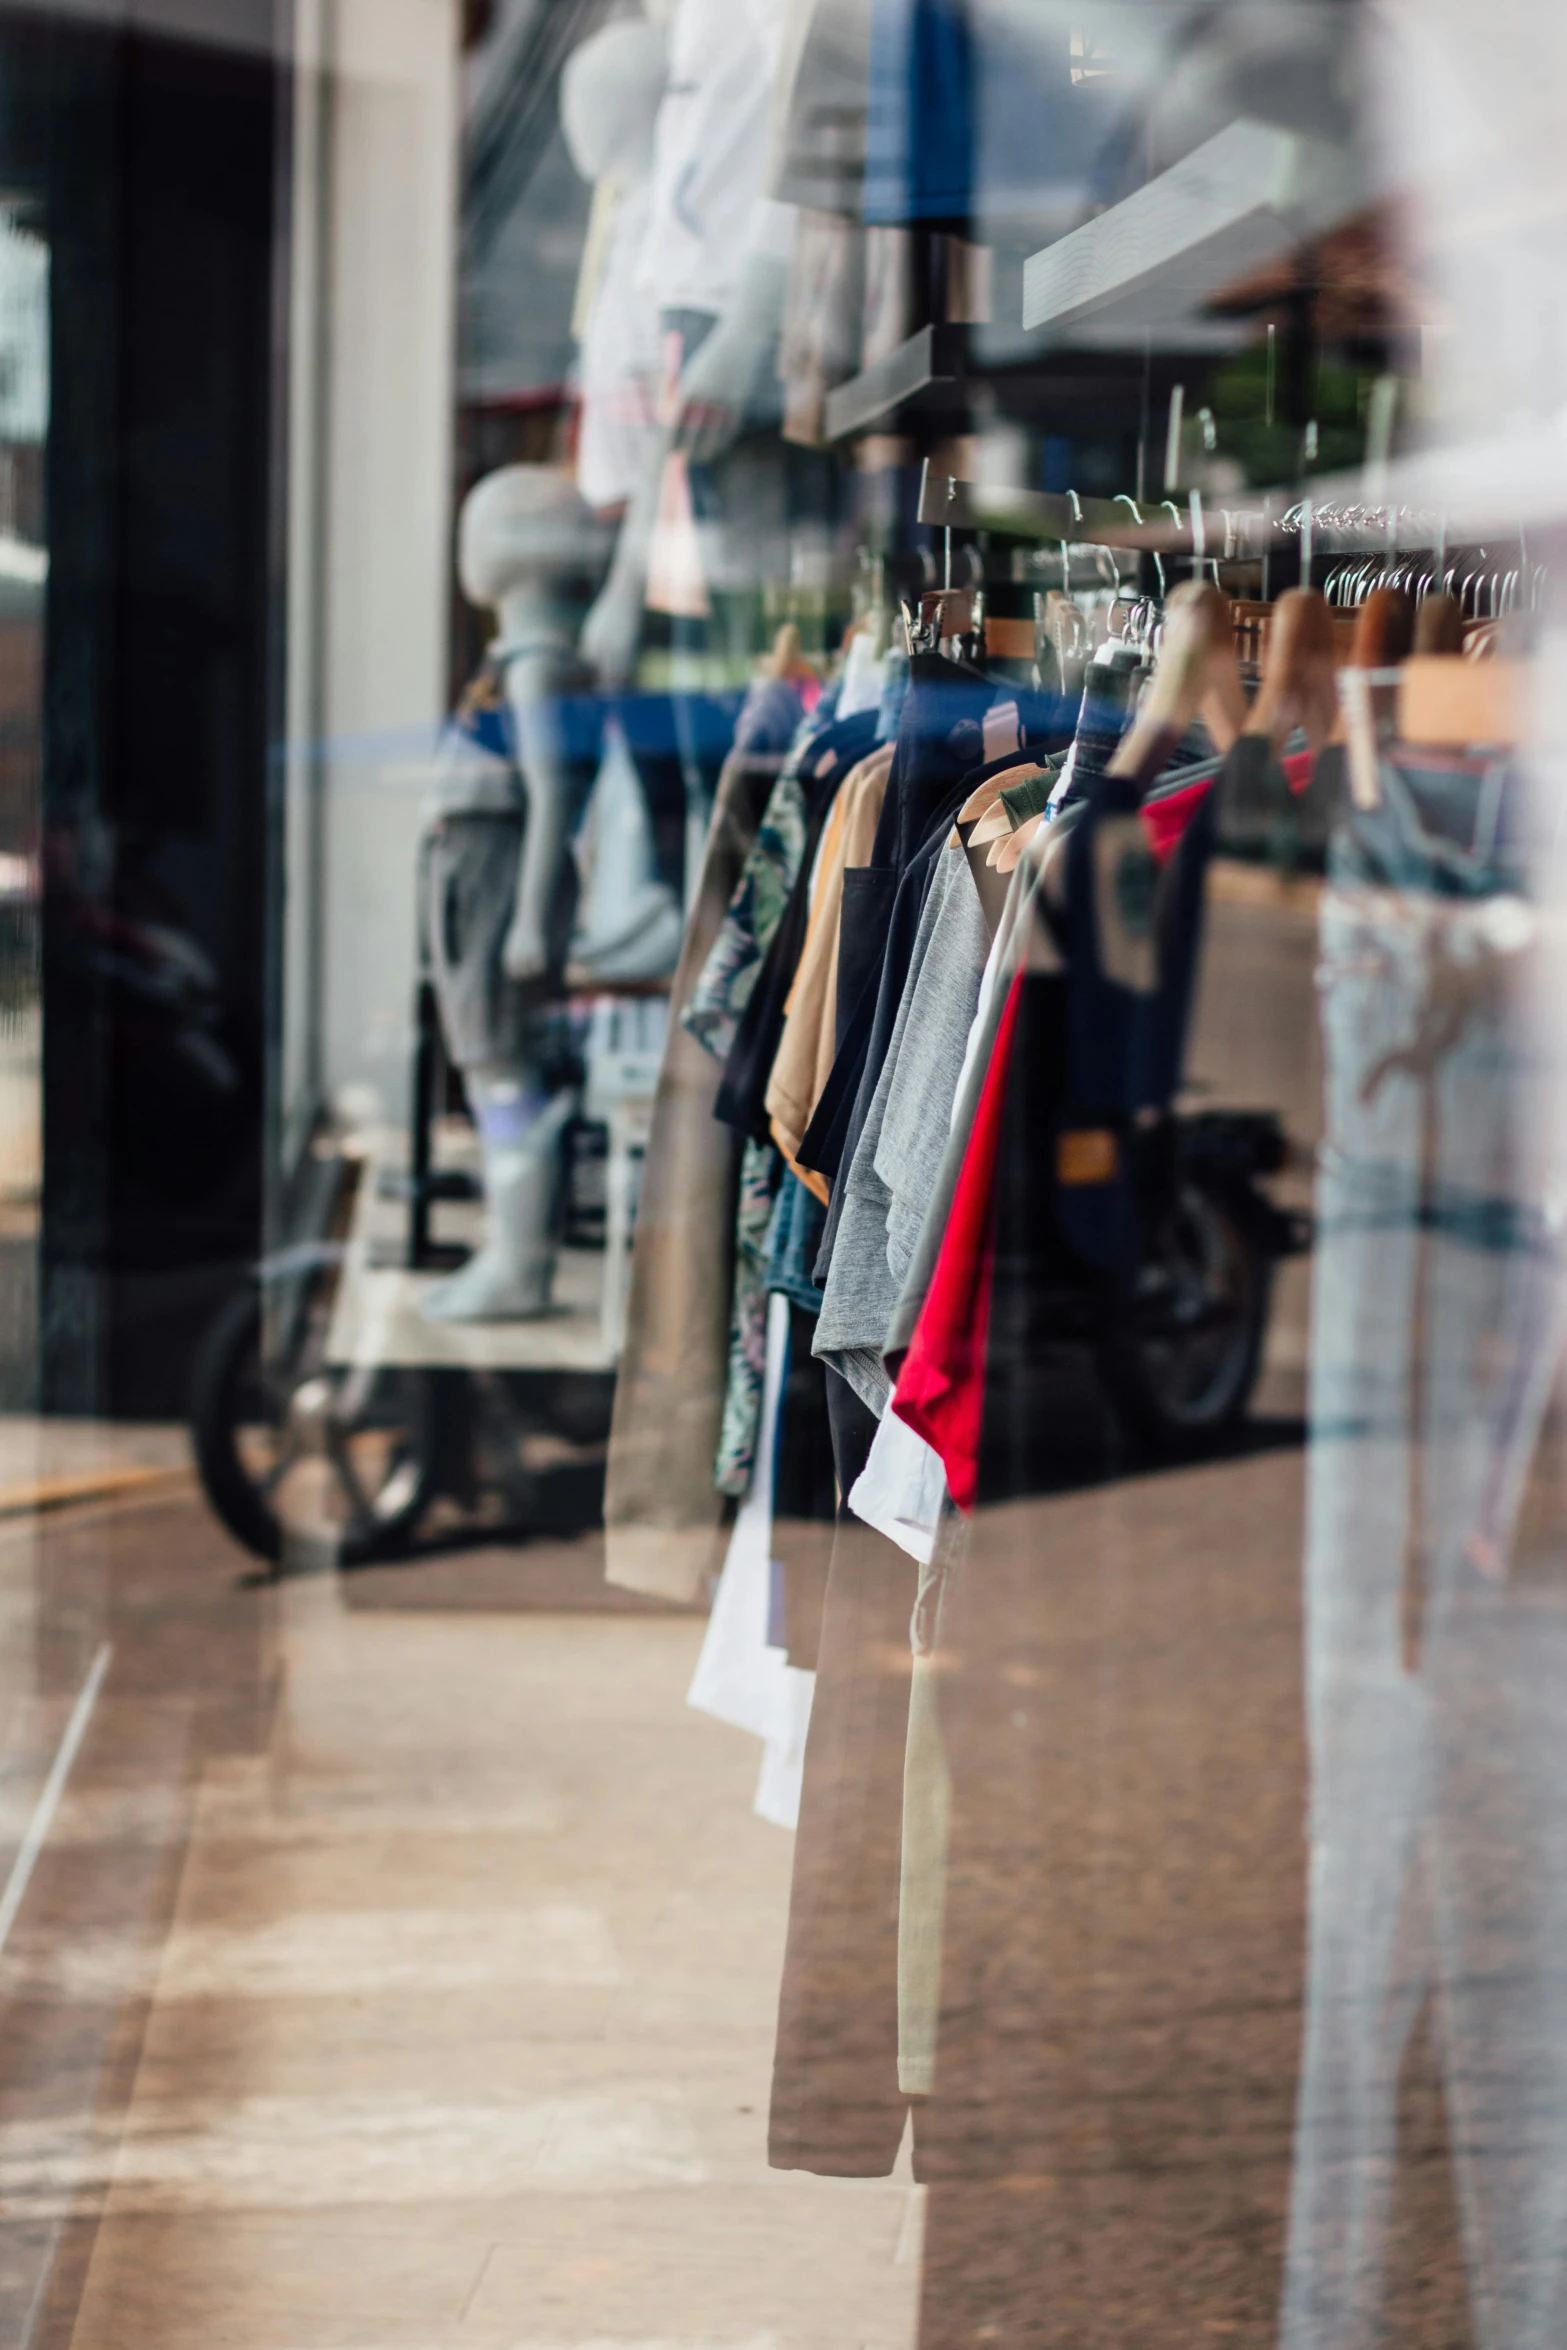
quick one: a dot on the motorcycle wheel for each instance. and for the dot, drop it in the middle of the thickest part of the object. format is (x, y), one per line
(294, 1452)
(1181, 1366)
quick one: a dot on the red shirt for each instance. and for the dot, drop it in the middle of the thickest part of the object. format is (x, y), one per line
(941, 1385)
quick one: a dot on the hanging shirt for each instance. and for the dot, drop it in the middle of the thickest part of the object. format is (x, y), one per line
(804, 1059)
(730, 972)
(941, 1388)
(901, 1488)
(1019, 936)
(834, 752)
(915, 1089)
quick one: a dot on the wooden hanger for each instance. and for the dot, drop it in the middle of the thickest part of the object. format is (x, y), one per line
(1008, 854)
(1439, 626)
(1385, 626)
(993, 825)
(1384, 631)
(1298, 675)
(1196, 671)
(985, 799)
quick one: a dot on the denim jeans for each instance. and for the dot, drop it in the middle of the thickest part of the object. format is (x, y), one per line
(1436, 1692)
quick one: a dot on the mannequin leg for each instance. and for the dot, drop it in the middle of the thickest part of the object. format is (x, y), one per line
(495, 1032)
(519, 1132)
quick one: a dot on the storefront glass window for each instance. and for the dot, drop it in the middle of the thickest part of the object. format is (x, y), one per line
(781, 1174)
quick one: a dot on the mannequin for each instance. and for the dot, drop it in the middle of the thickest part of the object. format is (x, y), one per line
(495, 864)
(610, 89)
(713, 259)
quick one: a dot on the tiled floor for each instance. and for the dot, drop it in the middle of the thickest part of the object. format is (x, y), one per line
(449, 2022)
(47, 1463)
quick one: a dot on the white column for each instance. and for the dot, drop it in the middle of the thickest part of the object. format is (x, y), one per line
(374, 617)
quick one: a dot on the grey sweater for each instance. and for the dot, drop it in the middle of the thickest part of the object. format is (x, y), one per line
(894, 1168)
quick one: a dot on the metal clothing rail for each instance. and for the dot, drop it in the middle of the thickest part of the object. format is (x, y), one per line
(1384, 537)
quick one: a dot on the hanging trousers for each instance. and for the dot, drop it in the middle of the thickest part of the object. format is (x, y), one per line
(1436, 1693)
(836, 2106)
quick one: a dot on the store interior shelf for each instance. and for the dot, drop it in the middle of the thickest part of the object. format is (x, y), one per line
(930, 361)
(1154, 262)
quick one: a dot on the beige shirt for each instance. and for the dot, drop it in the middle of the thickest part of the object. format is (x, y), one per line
(807, 1048)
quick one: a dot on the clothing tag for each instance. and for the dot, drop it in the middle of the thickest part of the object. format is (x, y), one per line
(674, 576)
(1360, 742)
(1009, 640)
(1088, 1154)
(1000, 730)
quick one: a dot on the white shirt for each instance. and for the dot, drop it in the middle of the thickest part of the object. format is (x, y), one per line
(619, 365)
(711, 151)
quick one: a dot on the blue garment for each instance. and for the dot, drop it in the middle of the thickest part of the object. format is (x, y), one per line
(972, 110)
(811, 770)
(776, 861)
(894, 686)
(792, 1242)
(919, 131)
(723, 987)
(769, 717)
(1101, 722)
(939, 741)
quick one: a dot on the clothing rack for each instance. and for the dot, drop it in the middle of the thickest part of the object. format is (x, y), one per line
(1370, 537)
(1376, 546)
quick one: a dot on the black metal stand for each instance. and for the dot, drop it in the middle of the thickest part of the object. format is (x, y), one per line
(424, 1182)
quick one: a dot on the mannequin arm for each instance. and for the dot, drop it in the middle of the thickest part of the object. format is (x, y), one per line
(533, 684)
(725, 377)
(612, 630)
(735, 369)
